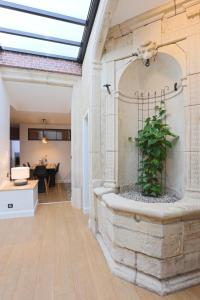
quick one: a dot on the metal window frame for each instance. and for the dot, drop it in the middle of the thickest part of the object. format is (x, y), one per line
(37, 53)
(88, 29)
(41, 12)
(88, 24)
(39, 37)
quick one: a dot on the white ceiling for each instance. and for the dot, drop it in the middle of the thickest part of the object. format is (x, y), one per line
(28, 117)
(39, 97)
(127, 9)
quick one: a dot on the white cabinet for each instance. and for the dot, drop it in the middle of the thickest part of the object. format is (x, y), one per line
(18, 201)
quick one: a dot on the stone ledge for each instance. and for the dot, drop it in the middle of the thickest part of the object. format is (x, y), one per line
(183, 209)
(100, 191)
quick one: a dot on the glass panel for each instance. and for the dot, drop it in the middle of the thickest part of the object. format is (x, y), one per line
(40, 25)
(74, 8)
(50, 134)
(59, 135)
(35, 134)
(29, 44)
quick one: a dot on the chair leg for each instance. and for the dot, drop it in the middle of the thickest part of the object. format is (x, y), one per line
(48, 180)
(46, 186)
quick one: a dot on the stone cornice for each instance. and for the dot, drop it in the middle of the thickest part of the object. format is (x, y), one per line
(191, 7)
(50, 78)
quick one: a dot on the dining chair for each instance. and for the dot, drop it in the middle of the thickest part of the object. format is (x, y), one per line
(40, 173)
(57, 168)
(52, 175)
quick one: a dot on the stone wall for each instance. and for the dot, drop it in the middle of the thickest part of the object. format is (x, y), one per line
(28, 61)
(155, 248)
(178, 36)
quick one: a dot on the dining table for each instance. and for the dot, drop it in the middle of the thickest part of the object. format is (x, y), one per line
(48, 166)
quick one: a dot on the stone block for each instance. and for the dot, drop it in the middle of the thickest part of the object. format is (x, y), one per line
(193, 55)
(174, 27)
(191, 245)
(110, 133)
(134, 223)
(158, 267)
(194, 170)
(110, 167)
(191, 228)
(147, 244)
(120, 255)
(151, 32)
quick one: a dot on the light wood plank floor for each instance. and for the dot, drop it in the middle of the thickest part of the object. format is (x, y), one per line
(53, 256)
(61, 192)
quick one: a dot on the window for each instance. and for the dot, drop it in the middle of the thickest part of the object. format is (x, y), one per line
(49, 28)
(36, 134)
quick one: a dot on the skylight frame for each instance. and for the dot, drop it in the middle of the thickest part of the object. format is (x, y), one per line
(88, 25)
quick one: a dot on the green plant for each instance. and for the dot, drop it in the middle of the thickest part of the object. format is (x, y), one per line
(153, 142)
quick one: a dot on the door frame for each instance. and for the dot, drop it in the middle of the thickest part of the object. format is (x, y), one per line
(86, 165)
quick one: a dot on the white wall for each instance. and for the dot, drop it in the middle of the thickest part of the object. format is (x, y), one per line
(4, 133)
(14, 148)
(56, 151)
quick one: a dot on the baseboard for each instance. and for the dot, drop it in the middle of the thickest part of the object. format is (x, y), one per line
(19, 213)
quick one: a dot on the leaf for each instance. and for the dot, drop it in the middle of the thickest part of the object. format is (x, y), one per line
(152, 141)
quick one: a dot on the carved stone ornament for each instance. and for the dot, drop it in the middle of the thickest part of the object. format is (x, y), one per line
(147, 50)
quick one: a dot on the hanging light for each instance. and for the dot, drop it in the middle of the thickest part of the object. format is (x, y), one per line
(44, 137)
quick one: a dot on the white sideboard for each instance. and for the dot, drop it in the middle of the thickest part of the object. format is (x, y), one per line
(18, 201)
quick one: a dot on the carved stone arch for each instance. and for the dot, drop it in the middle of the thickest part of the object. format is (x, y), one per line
(168, 68)
(173, 50)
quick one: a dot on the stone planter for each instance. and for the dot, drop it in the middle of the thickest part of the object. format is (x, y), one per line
(155, 246)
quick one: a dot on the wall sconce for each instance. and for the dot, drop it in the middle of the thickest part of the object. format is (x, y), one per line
(107, 86)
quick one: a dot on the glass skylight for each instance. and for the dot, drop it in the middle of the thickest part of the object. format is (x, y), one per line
(35, 24)
(74, 8)
(16, 42)
(28, 31)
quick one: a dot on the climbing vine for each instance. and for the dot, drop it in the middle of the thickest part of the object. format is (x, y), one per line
(153, 142)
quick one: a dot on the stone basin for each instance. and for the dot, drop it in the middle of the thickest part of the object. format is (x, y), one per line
(153, 245)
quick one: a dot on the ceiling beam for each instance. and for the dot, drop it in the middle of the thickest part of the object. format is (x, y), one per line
(39, 37)
(41, 13)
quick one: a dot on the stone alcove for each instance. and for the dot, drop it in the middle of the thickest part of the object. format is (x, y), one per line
(163, 72)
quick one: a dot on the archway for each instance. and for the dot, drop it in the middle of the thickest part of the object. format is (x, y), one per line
(162, 74)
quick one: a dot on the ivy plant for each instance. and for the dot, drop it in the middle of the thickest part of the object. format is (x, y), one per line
(153, 141)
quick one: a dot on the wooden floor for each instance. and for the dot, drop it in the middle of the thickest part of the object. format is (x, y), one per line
(61, 192)
(53, 256)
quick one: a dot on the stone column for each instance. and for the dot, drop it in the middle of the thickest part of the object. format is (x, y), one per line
(111, 142)
(95, 139)
(192, 108)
